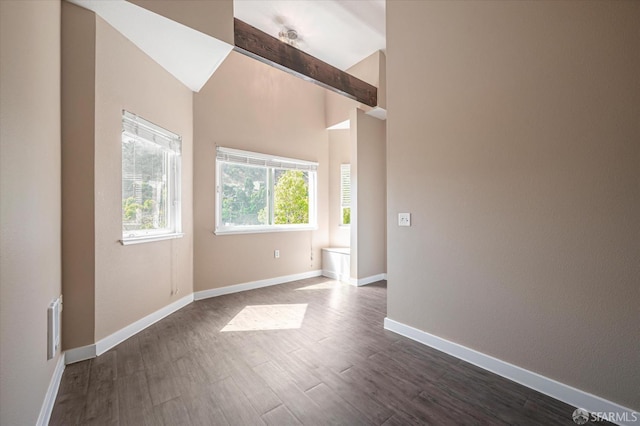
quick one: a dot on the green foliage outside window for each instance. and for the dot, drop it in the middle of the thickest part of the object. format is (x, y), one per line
(144, 215)
(144, 186)
(245, 198)
(346, 215)
(244, 195)
(291, 204)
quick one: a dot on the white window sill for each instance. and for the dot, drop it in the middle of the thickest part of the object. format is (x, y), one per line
(150, 238)
(264, 230)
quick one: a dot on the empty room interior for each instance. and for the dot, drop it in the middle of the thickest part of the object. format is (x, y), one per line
(226, 212)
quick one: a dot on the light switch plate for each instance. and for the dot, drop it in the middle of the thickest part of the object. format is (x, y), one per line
(404, 219)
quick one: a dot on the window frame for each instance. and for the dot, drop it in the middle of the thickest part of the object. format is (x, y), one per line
(271, 163)
(170, 144)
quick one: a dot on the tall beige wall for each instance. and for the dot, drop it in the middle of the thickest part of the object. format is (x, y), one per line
(339, 153)
(250, 106)
(513, 140)
(368, 195)
(30, 271)
(106, 73)
(78, 182)
(135, 280)
(382, 79)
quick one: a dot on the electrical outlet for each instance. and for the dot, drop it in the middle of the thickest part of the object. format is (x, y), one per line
(276, 254)
(53, 327)
(404, 219)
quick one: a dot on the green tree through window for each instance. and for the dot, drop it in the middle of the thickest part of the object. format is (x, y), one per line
(245, 194)
(264, 193)
(291, 200)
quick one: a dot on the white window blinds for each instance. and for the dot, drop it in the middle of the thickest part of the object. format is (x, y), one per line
(136, 126)
(345, 185)
(256, 159)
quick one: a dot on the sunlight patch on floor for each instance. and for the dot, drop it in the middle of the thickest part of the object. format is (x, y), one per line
(268, 317)
(337, 294)
(327, 285)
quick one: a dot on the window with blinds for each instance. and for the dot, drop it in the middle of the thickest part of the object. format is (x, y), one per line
(345, 194)
(151, 160)
(264, 193)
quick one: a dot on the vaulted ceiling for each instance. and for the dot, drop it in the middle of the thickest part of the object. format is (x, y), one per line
(338, 32)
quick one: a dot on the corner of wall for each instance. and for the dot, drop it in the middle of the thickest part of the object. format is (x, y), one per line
(78, 175)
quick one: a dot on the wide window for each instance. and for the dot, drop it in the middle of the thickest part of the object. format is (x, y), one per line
(263, 193)
(150, 181)
(345, 194)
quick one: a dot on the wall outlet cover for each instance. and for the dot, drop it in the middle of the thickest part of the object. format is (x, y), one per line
(404, 219)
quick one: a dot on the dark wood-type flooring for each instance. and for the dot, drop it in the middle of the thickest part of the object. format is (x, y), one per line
(340, 367)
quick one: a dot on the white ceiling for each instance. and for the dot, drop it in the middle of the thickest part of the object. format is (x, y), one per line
(339, 32)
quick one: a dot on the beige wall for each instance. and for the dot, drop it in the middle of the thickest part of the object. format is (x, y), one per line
(125, 283)
(78, 189)
(135, 280)
(211, 17)
(251, 106)
(30, 202)
(382, 79)
(513, 140)
(368, 195)
(372, 70)
(339, 153)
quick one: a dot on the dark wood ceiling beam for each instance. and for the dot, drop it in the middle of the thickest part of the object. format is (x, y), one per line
(259, 45)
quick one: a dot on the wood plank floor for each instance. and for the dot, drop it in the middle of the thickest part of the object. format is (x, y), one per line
(340, 367)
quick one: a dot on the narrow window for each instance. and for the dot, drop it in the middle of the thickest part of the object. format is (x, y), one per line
(151, 158)
(263, 193)
(345, 194)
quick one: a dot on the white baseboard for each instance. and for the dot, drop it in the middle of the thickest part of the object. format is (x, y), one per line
(103, 345)
(545, 385)
(123, 334)
(330, 274)
(252, 285)
(368, 280)
(52, 392)
(80, 354)
(335, 276)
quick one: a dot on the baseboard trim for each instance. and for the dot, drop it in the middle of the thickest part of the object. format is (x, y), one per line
(368, 280)
(80, 354)
(52, 392)
(252, 285)
(545, 385)
(101, 346)
(91, 351)
(123, 334)
(330, 274)
(334, 276)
